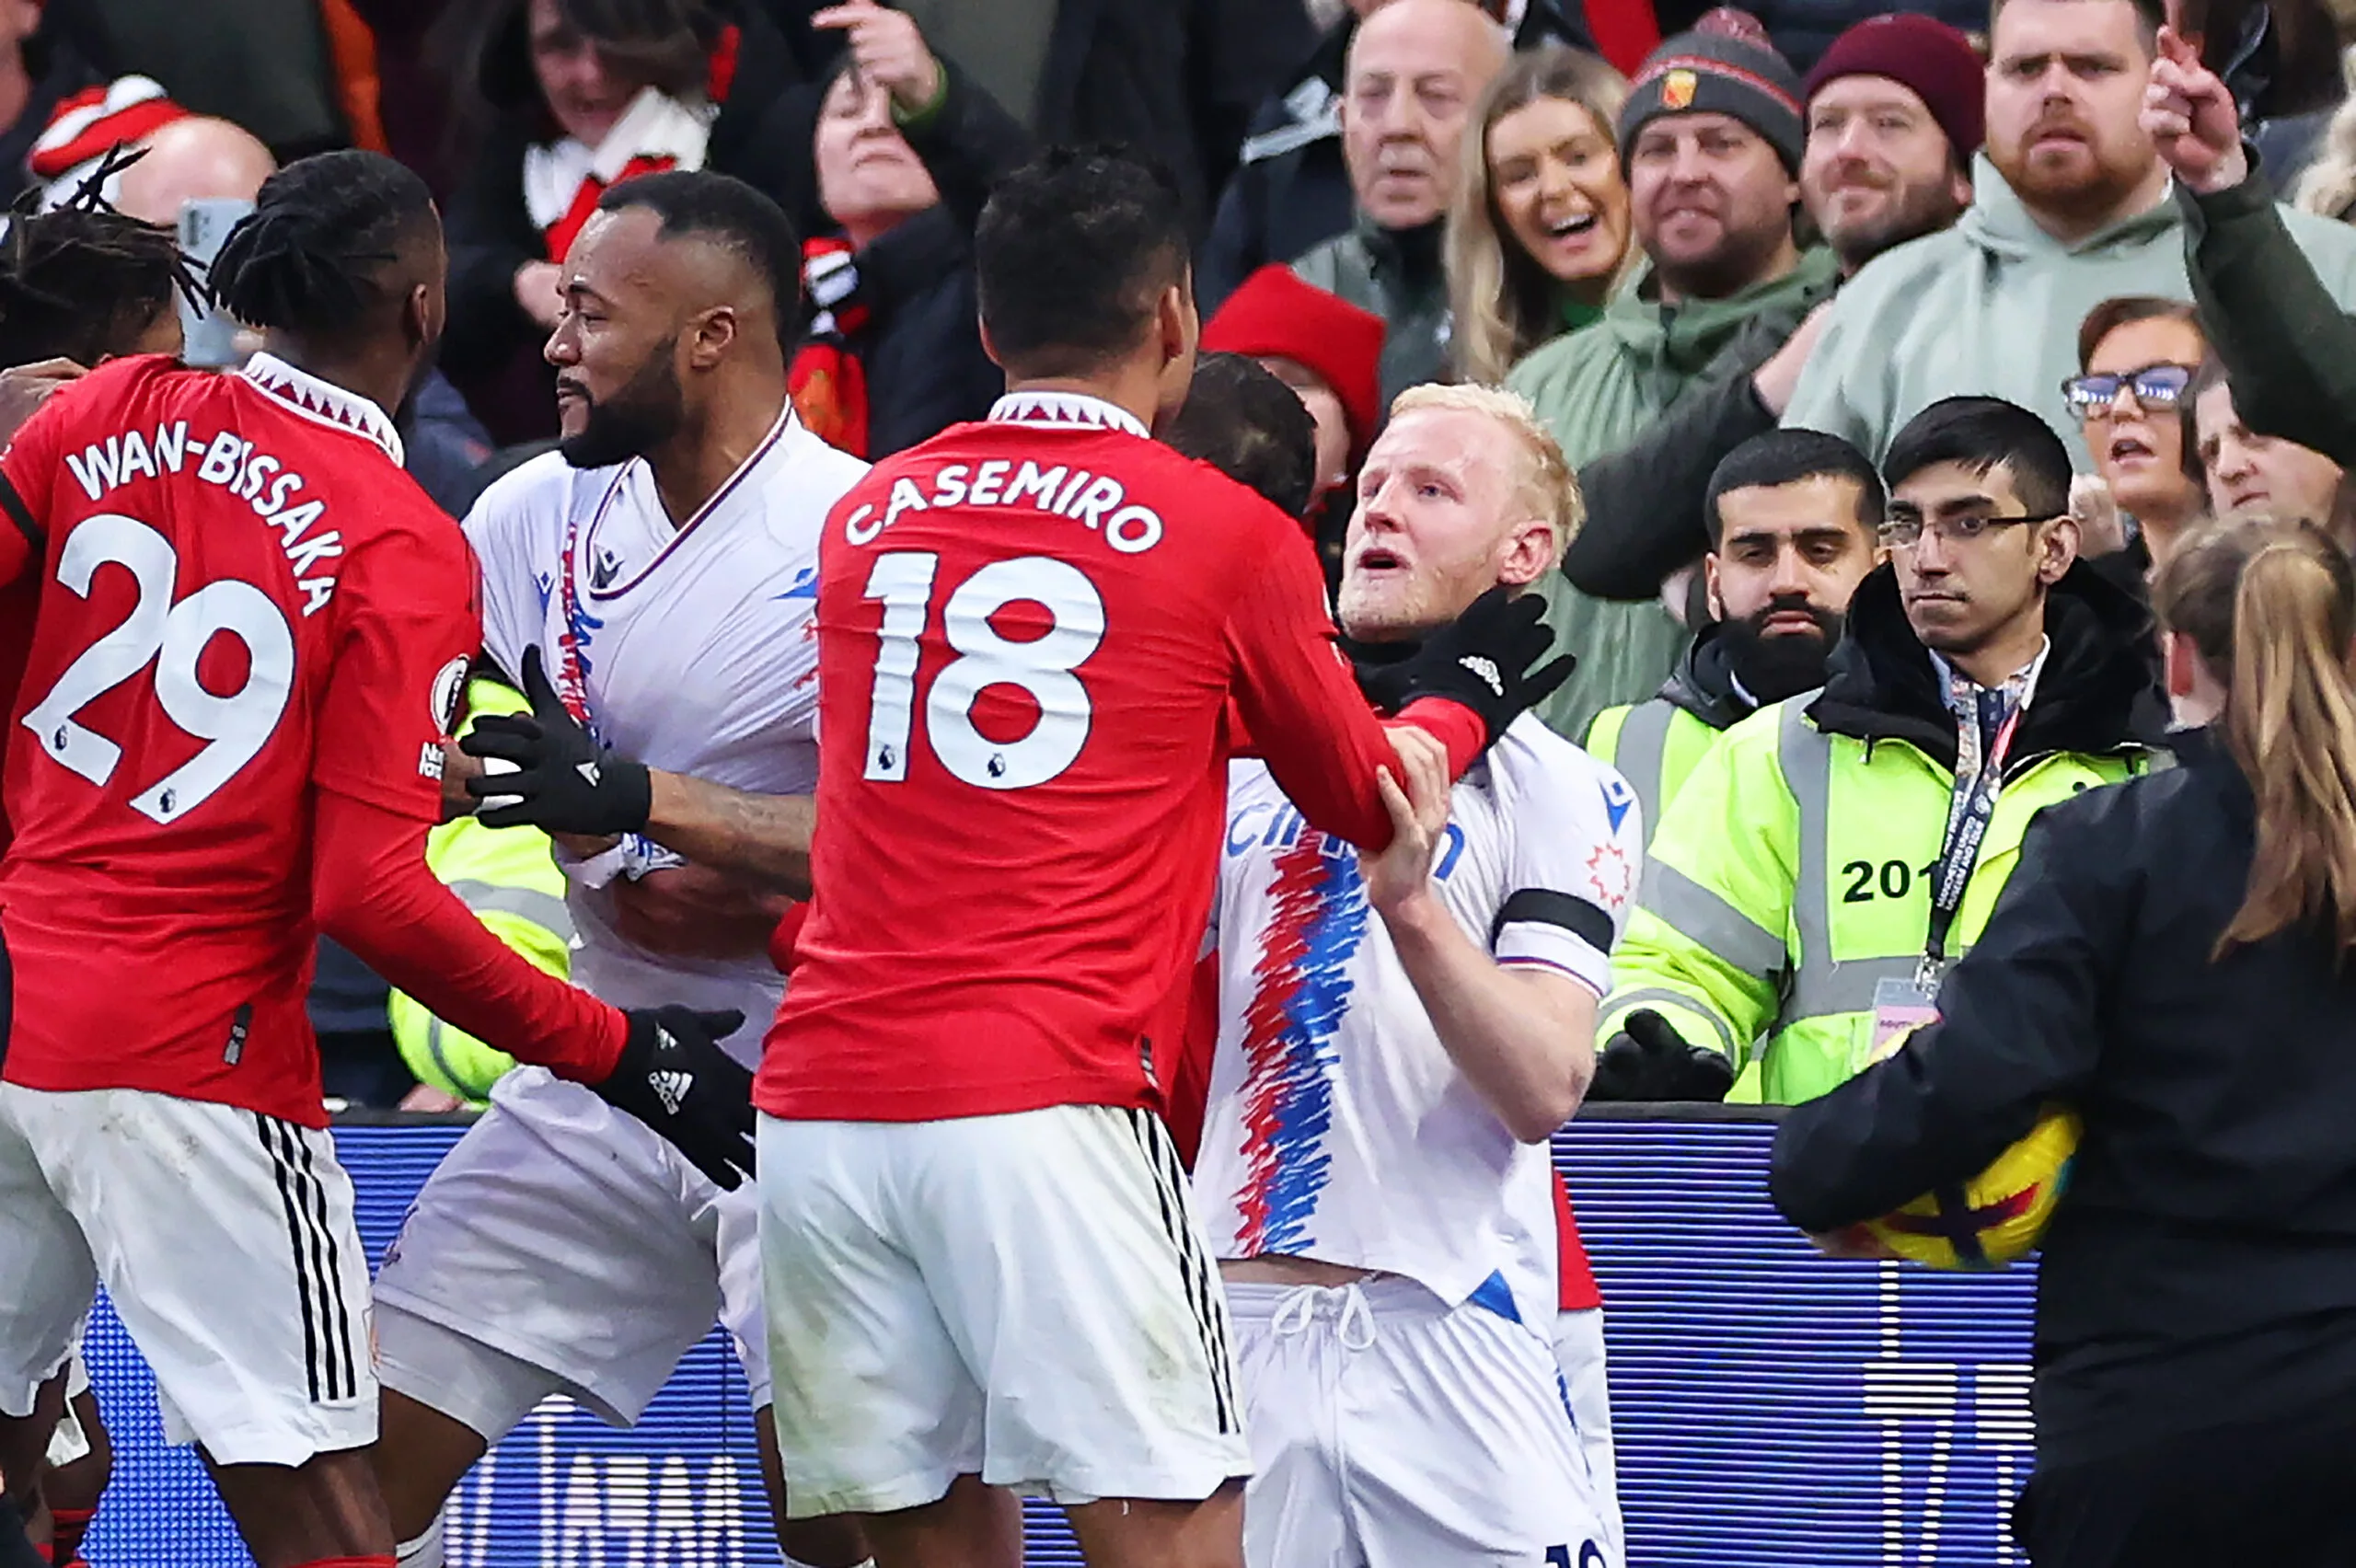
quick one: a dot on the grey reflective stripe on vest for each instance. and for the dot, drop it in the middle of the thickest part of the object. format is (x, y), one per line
(1709, 922)
(1658, 996)
(450, 1075)
(542, 910)
(1820, 986)
(1643, 748)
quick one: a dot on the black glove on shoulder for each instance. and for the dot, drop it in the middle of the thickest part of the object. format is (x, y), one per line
(1487, 659)
(673, 1076)
(1651, 1061)
(565, 782)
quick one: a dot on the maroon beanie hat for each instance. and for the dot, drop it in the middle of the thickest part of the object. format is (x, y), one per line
(1924, 54)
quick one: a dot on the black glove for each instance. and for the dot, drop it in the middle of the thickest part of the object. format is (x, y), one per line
(567, 782)
(1652, 1061)
(1487, 659)
(673, 1077)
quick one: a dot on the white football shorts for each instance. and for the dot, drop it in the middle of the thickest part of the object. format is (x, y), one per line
(563, 1247)
(1390, 1430)
(1025, 1297)
(1579, 1352)
(227, 1244)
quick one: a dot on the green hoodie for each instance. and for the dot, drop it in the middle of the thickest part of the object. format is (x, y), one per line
(1992, 307)
(1597, 389)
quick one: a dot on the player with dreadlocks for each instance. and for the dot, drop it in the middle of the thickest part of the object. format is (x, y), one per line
(80, 285)
(85, 283)
(252, 636)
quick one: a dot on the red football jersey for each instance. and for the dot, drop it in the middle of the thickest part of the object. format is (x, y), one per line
(242, 597)
(1029, 630)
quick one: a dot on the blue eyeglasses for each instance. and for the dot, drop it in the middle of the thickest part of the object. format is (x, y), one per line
(2155, 385)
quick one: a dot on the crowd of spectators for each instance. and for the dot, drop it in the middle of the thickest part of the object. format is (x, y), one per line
(1673, 230)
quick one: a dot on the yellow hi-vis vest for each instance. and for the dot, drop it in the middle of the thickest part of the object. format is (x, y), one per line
(509, 878)
(1790, 875)
(1655, 745)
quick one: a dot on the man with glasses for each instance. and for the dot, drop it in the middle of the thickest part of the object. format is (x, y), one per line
(1827, 860)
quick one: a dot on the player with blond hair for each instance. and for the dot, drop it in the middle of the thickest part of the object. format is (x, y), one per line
(1399, 1035)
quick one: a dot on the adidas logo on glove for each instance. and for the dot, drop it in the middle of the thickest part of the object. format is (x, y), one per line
(1487, 670)
(671, 1089)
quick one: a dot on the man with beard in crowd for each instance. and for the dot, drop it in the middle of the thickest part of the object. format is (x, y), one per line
(1793, 517)
(1831, 854)
(1710, 139)
(2071, 207)
(1894, 118)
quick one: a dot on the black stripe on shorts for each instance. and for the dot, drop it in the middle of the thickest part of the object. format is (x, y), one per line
(345, 1382)
(327, 1329)
(1203, 1293)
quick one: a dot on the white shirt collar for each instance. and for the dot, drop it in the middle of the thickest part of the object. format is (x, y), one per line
(1064, 409)
(324, 402)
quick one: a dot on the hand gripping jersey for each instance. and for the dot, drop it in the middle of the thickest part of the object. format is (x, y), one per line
(1338, 1128)
(1028, 632)
(244, 600)
(691, 650)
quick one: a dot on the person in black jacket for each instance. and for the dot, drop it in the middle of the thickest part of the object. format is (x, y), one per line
(2267, 313)
(906, 148)
(2170, 960)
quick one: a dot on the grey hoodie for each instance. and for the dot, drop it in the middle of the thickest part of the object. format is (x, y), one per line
(1992, 307)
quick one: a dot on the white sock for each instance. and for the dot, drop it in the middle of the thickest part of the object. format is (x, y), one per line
(425, 1552)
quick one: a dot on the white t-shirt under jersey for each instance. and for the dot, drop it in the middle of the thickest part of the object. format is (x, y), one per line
(692, 650)
(1337, 1126)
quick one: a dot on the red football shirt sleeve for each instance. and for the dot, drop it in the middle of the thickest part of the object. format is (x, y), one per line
(371, 891)
(1301, 706)
(409, 631)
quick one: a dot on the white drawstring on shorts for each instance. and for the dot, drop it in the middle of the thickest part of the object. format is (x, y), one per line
(1299, 1308)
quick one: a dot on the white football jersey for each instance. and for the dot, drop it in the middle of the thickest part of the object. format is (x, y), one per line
(1337, 1126)
(689, 649)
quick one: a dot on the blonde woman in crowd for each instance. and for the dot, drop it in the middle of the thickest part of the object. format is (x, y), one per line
(1538, 233)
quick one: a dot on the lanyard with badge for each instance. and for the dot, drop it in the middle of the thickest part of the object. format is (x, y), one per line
(1987, 722)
